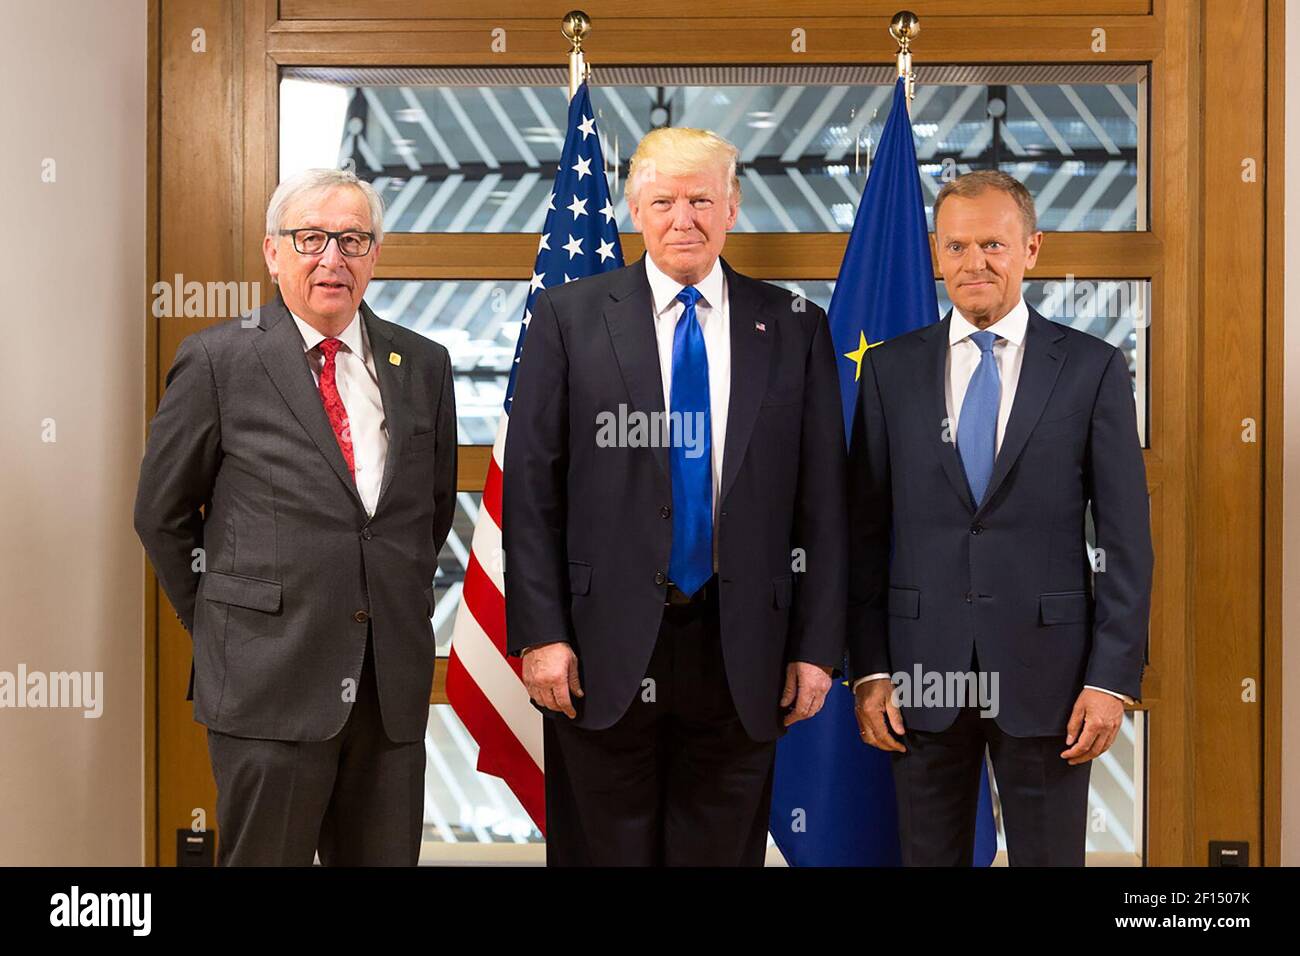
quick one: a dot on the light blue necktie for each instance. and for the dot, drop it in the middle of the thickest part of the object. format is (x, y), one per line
(977, 430)
(691, 562)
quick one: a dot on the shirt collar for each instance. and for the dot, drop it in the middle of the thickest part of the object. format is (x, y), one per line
(352, 336)
(664, 288)
(1011, 326)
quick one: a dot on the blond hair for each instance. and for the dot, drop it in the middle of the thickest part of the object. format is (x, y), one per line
(680, 151)
(973, 184)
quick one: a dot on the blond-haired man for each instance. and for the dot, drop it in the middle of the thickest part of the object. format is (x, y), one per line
(674, 529)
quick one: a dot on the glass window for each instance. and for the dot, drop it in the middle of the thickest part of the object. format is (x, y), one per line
(454, 156)
(478, 321)
(453, 559)
(463, 806)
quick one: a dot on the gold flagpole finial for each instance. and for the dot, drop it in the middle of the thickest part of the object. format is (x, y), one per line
(904, 27)
(575, 27)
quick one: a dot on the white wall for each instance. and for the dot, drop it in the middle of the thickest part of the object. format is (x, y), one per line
(1291, 457)
(72, 323)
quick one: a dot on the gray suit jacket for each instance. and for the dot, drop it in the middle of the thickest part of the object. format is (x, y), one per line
(293, 572)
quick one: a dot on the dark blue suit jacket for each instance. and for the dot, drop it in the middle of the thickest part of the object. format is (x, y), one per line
(588, 529)
(1010, 579)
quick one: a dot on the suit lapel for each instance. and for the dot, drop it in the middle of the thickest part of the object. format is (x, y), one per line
(751, 361)
(1039, 369)
(629, 319)
(934, 384)
(392, 390)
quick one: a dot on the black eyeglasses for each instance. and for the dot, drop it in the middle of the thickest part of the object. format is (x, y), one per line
(312, 242)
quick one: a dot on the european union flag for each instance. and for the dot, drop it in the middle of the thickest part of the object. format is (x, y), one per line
(833, 796)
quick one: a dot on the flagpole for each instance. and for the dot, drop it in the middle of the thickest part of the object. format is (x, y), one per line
(575, 27)
(904, 27)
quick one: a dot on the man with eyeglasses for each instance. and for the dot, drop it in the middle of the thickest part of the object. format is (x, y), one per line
(297, 485)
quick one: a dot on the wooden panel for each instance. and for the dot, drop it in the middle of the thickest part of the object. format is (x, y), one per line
(472, 467)
(1055, 39)
(1274, 332)
(196, 239)
(218, 164)
(152, 381)
(1167, 563)
(602, 11)
(1227, 596)
(258, 133)
(1112, 255)
(438, 695)
(1175, 206)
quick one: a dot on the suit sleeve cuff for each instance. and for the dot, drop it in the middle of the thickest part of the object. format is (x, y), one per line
(861, 680)
(529, 647)
(1124, 697)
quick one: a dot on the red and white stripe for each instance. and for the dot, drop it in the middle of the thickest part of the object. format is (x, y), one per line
(484, 685)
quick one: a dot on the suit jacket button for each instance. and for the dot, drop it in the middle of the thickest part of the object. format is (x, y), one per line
(660, 577)
(970, 597)
(361, 617)
(367, 533)
(976, 528)
(665, 511)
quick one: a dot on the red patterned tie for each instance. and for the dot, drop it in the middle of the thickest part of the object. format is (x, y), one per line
(329, 395)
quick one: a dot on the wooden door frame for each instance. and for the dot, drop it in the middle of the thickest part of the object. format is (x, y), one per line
(252, 41)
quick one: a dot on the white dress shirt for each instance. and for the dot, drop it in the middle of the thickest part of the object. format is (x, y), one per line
(358, 385)
(963, 357)
(714, 315)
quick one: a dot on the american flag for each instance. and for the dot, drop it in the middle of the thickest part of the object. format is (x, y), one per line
(579, 238)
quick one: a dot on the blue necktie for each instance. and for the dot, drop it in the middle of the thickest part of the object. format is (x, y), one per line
(691, 562)
(977, 430)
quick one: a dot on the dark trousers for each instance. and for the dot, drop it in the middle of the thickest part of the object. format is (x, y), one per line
(676, 781)
(357, 798)
(1044, 800)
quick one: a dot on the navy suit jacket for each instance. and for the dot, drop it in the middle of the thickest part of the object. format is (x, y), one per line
(588, 529)
(1010, 579)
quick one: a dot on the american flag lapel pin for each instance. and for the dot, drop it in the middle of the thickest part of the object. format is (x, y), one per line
(760, 327)
(394, 358)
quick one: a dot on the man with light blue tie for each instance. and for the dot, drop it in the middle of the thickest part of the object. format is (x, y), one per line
(970, 576)
(676, 550)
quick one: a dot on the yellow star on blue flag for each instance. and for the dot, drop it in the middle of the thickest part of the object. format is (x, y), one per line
(861, 352)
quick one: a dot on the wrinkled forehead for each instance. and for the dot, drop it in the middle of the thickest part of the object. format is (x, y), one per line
(329, 207)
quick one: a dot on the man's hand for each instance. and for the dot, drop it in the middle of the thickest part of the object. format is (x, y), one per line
(873, 705)
(1098, 716)
(551, 676)
(806, 686)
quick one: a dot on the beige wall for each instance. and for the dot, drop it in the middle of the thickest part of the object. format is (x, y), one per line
(1291, 458)
(71, 569)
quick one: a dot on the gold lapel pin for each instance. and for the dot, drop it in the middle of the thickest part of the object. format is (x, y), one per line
(394, 358)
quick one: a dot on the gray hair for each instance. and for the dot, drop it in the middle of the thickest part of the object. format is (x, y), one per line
(315, 180)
